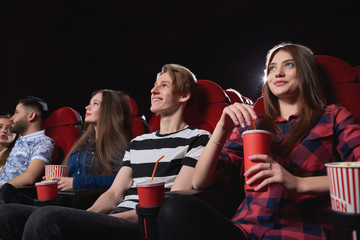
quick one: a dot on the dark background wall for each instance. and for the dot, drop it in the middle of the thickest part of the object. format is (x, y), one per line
(63, 50)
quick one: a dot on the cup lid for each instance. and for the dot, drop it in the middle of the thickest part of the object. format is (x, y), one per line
(46, 182)
(149, 183)
(257, 131)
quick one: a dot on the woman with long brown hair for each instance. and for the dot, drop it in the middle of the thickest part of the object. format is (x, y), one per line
(291, 200)
(96, 157)
(310, 100)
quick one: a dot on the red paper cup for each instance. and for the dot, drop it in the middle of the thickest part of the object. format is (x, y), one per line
(344, 178)
(62, 171)
(151, 194)
(255, 142)
(47, 190)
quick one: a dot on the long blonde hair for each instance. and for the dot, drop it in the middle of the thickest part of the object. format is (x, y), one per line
(113, 132)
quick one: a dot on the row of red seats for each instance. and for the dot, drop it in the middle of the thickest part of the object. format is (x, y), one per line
(206, 109)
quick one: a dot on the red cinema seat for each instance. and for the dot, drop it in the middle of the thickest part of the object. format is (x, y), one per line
(235, 96)
(357, 70)
(154, 122)
(343, 82)
(259, 106)
(204, 111)
(138, 123)
(62, 127)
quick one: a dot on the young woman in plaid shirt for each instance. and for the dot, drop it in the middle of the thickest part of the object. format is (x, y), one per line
(306, 134)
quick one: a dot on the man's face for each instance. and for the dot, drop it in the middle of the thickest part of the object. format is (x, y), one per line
(163, 100)
(19, 123)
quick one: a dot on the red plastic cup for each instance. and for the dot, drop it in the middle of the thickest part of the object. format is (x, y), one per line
(255, 142)
(62, 171)
(151, 194)
(344, 179)
(47, 190)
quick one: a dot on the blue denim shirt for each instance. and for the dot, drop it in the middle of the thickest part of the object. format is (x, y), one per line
(80, 170)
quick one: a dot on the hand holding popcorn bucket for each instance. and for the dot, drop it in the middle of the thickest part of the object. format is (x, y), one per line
(344, 181)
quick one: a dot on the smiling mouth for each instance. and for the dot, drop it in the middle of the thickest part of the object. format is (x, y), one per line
(280, 83)
(156, 99)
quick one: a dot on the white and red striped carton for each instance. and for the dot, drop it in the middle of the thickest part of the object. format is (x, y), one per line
(344, 179)
(61, 171)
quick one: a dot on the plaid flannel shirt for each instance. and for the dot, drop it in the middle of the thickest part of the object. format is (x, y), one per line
(281, 214)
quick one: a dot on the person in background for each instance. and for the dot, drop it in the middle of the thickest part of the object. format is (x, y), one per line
(7, 139)
(292, 198)
(33, 150)
(96, 157)
(113, 214)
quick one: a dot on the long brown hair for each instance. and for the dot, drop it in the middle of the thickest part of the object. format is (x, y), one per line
(9, 148)
(312, 96)
(113, 132)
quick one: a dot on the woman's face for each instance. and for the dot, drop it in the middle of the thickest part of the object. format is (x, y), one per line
(93, 109)
(282, 77)
(6, 136)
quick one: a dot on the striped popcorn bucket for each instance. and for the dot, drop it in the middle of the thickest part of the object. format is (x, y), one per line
(344, 178)
(56, 171)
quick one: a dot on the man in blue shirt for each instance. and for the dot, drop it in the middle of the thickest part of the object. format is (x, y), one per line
(33, 150)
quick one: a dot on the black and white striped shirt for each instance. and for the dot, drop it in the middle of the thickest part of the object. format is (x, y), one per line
(180, 148)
